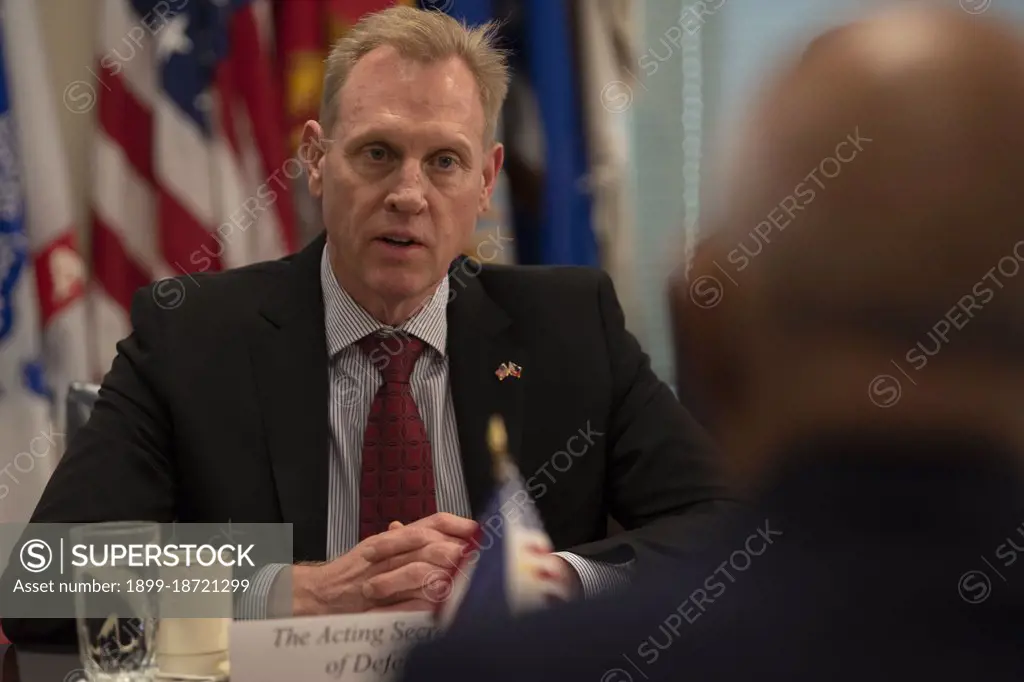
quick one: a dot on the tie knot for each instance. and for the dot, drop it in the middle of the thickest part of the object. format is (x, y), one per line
(393, 354)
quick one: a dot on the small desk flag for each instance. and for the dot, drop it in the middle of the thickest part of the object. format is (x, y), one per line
(508, 569)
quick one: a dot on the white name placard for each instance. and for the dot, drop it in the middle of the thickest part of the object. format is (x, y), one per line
(369, 647)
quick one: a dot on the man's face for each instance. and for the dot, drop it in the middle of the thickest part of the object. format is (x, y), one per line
(405, 177)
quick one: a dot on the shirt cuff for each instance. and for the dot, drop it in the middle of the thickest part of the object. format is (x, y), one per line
(254, 602)
(598, 578)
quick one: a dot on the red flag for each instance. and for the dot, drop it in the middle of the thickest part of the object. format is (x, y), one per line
(345, 13)
(306, 32)
(302, 47)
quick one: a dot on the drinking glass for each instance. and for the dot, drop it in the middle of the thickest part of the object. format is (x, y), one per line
(116, 627)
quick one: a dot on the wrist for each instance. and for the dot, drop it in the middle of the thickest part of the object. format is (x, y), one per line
(305, 583)
(570, 577)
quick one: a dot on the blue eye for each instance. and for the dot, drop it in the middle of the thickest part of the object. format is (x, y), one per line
(377, 153)
(447, 161)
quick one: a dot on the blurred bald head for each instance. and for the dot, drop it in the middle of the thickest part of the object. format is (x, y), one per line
(874, 197)
(907, 129)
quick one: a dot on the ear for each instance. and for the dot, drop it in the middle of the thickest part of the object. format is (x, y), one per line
(312, 153)
(492, 167)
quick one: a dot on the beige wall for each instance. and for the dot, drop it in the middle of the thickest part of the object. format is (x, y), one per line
(69, 33)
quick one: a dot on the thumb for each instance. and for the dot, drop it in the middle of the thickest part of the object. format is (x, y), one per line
(395, 524)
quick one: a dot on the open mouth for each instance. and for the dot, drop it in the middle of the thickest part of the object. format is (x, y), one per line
(394, 241)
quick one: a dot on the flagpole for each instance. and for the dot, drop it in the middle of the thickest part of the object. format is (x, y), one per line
(497, 442)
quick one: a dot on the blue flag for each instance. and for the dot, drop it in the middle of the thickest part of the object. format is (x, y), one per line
(472, 12)
(540, 35)
(494, 239)
(19, 324)
(565, 235)
(14, 249)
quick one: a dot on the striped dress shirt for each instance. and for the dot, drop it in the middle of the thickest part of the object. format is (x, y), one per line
(354, 381)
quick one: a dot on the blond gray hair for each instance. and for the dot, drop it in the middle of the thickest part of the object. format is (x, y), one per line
(426, 36)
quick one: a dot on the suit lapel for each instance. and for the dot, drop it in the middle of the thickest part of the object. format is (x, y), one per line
(480, 338)
(289, 355)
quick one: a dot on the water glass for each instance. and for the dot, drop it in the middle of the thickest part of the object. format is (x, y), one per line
(116, 629)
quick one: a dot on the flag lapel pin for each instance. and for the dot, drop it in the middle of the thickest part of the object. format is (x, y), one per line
(508, 369)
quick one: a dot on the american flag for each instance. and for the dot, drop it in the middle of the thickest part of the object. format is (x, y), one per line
(191, 169)
(508, 568)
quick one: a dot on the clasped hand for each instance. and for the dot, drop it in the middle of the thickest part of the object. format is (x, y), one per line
(405, 568)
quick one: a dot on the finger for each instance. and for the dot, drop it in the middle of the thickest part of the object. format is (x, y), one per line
(414, 576)
(408, 605)
(436, 588)
(446, 554)
(394, 524)
(398, 541)
(450, 524)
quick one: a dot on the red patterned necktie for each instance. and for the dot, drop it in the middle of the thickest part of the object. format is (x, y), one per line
(398, 471)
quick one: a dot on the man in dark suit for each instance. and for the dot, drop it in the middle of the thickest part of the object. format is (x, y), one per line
(883, 526)
(346, 389)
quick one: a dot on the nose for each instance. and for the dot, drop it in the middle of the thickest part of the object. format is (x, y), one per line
(407, 196)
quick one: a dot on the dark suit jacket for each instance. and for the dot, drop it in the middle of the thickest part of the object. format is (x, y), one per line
(876, 569)
(217, 409)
